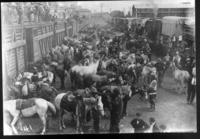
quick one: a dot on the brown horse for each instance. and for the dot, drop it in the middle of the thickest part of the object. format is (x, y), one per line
(78, 105)
(125, 91)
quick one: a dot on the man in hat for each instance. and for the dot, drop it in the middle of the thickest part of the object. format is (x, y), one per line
(160, 66)
(174, 41)
(191, 87)
(152, 92)
(20, 13)
(155, 128)
(167, 59)
(116, 111)
(35, 77)
(147, 48)
(138, 124)
(188, 65)
(177, 59)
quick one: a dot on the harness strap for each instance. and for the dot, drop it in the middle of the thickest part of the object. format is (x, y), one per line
(152, 93)
(20, 107)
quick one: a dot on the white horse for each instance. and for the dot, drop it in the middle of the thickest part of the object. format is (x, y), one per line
(146, 70)
(180, 77)
(131, 58)
(27, 108)
(85, 70)
(105, 63)
(145, 58)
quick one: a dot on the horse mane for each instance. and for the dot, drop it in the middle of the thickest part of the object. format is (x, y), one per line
(90, 69)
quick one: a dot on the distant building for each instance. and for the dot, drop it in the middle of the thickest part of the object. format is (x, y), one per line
(83, 13)
(162, 10)
(149, 12)
(68, 10)
(105, 15)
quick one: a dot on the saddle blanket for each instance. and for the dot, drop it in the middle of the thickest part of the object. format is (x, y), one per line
(23, 104)
(70, 106)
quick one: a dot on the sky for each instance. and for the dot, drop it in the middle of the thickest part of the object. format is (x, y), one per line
(108, 6)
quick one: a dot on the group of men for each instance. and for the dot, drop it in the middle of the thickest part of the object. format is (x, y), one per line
(35, 12)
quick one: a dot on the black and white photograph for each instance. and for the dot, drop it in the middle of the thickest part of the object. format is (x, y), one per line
(98, 67)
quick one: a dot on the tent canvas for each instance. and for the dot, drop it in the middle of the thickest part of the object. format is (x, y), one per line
(172, 25)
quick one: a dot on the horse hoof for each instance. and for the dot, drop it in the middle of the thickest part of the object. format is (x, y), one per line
(60, 128)
(64, 126)
(15, 133)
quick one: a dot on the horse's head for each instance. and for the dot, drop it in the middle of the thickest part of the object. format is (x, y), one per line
(100, 105)
(129, 90)
(172, 66)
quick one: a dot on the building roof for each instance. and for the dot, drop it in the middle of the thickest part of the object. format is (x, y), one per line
(167, 5)
(83, 10)
(174, 17)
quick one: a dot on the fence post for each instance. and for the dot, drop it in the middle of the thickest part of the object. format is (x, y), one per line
(65, 28)
(16, 61)
(54, 34)
(29, 51)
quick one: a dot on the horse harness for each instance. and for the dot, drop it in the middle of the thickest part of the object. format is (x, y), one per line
(67, 104)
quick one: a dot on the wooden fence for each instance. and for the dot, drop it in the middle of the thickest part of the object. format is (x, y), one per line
(23, 45)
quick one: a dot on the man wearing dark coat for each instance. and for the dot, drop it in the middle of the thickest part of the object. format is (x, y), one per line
(191, 87)
(138, 124)
(152, 92)
(155, 129)
(116, 111)
(160, 67)
(20, 14)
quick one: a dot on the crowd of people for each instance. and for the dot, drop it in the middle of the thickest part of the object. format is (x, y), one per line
(28, 12)
(32, 12)
(123, 60)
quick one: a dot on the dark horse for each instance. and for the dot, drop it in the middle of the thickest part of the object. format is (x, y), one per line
(125, 91)
(113, 101)
(79, 103)
(59, 69)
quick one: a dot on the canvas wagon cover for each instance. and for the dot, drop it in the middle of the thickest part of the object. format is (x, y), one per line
(172, 25)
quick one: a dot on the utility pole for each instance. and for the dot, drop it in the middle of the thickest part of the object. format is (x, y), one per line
(136, 13)
(101, 5)
(131, 11)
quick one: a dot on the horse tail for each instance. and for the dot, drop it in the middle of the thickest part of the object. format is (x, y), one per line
(52, 107)
(187, 76)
